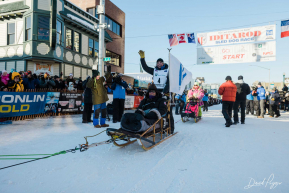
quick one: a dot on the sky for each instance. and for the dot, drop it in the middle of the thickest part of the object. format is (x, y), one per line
(148, 23)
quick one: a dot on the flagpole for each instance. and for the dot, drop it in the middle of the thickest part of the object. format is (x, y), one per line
(170, 100)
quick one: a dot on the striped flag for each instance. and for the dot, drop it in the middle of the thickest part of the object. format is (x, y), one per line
(173, 40)
(284, 29)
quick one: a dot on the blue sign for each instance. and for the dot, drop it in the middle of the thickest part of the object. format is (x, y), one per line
(14, 104)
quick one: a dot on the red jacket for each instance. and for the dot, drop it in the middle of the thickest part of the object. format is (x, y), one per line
(228, 90)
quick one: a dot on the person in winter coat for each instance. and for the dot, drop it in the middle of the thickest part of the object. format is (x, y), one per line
(30, 82)
(118, 87)
(256, 102)
(275, 101)
(196, 92)
(286, 104)
(16, 82)
(267, 104)
(228, 90)
(261, 98)
(86, 116)
(71, 85)
(5, 77)
(153, 106)
(99, 97)
(160, 78)
(205, 100)
(249, 103)
(285, 88)
(79, 84)
(177, 103)
(243, 90)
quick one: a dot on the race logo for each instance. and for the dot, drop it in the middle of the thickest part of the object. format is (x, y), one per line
(182, 75)
(269, 34)
(202, 39)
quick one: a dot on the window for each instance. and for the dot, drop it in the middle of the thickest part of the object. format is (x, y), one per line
(76, 42)
(58, 31)
(90, 48)
(114, 27)
(90, 11)
(43, 28)
(96, 48)
(28, 29)
(115, 58)
(68, 36)
(11, 33)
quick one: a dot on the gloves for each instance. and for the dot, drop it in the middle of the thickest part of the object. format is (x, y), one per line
(142, 54)
(109, 69)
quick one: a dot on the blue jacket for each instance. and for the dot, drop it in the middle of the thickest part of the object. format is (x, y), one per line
(205, 98)
(177, 97)
(30, 83)
(184, 97)
(261, 93)
(119, 90)
(250, 97)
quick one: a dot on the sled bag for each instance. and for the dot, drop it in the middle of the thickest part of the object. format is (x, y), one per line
(136, 123)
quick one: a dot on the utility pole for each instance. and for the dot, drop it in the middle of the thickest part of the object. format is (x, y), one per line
(101, 28)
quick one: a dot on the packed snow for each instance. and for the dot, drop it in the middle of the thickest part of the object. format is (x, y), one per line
(203, 157)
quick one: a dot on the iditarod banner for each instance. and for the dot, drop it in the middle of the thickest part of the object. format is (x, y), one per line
(244, 53)
(237, 36)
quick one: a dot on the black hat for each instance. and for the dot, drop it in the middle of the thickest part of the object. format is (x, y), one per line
(240, 77)
(259, 83)
(160, 60)
(152, 87)
(95, 73)
(56, 76)
(228, 78)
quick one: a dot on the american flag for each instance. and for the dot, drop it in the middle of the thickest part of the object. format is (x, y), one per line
(173, 40)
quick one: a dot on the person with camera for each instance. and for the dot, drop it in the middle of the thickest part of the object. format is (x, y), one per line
(260, 93)
(118, 88)
(99, 96)
(256, 102)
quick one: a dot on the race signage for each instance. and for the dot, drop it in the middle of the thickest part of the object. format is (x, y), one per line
(237, 36)
(258, 52)
(70, 102)
(14, 104)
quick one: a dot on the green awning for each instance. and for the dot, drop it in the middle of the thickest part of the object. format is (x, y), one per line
(15, 6)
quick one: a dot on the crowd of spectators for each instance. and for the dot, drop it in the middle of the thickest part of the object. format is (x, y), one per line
(21, 81)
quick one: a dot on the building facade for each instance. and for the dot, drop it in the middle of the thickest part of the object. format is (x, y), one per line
(115, 18)
(50, 36)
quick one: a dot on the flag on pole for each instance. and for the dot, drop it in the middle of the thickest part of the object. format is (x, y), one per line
(182, 38)
(173, 40)
(284, 29)
(191, 38)
(179, 75)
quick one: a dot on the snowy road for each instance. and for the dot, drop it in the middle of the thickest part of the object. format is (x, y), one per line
(202, 157)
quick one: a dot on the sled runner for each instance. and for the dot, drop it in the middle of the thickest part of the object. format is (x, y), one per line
(147, 139)
(151, 137)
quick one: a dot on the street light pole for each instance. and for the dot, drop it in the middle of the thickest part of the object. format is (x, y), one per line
(266, 69)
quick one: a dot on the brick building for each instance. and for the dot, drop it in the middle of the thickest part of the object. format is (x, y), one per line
(115, 17)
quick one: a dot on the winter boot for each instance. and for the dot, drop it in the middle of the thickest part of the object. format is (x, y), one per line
(260, 117)
(102, 122)
(97, 126)
(96, 123)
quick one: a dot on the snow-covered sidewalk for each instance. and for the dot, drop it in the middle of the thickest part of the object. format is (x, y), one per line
(203, 157)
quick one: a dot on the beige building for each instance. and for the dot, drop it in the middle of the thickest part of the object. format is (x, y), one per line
(266, 85)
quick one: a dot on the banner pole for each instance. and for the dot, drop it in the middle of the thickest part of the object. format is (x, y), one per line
(170, 68)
